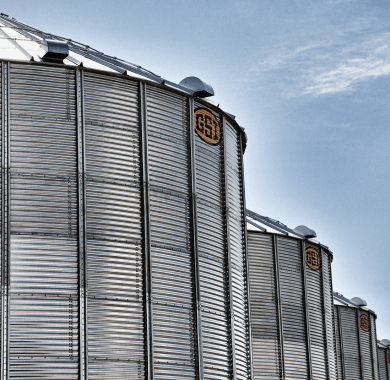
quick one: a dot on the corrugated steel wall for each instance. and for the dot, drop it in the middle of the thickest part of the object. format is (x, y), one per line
(43, 333)
(331, 348)
(383, 363)
(358, 353)
(291, 310)
(171, 248)
(237, 244)
(265, 317)
(116, 258)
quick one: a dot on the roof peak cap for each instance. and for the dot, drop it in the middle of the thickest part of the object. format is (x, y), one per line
(358, 301)
(305, 231)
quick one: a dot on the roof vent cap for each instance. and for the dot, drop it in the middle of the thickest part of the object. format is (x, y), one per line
(358, 301)
(385, 342)
(54, 50)
(305, 231)
(200, 88)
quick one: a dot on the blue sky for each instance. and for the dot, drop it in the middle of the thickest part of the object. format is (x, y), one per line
(308, 80)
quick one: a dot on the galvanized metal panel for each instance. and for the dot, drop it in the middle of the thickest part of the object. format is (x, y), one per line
(293, 308)
(316, 320)
(195, 242)
(350, 342)
(174, 322)
(235, 204)
(4, 218)
(146, 235)
(44, 276)
(213, 269)
(374, 348)
(267, 361)
(339, 348)
(366, 351)
(43, 93)
(383, 364)
(44, 308)
(114, 232)
(329, 316)
(2, 213)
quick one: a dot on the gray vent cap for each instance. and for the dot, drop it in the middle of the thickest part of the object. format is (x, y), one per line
(305, 231)
(358, 301)
(385, 342)
(54, 50)
(200, 88)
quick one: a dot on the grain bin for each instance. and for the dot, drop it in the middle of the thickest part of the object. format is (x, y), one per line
(384, 359)
(291, 302)
(122, 208)
(355, 339)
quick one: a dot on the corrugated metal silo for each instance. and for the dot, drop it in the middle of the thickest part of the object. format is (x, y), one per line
(355, 339)
(291, 302)
(384, 359)
(123, 232)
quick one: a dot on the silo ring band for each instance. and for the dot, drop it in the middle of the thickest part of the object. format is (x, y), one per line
(364, 323)
(313, 259)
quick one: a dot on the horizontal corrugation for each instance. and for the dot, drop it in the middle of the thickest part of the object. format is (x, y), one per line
(367, 359)
(111, 130)
(102, 369)
(382, 358)
(44, 265)
(114, 229)
(237, 251)
(212, 258)
(115, 270)
(44, 250)
(329, 316)
(169, 218)
(110, 101)
(171, 251)
(3, 186)
(264, 309)
(42, 92)
(44, 308)
(113, 211)
(40, 148)
(115, 334)
(172, 273)
(216, 347)
(293, 308)
(168, 141)
(43, 206)
(374, 351)
(113, 153)
(349, 325)
(173, 338)
(339, 353)
(44, 337)
(316, 321)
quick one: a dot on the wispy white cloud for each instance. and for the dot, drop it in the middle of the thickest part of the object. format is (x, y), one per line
(329, 64)
(344, 74)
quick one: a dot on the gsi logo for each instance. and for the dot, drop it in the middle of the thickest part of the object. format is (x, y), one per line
(207, 126)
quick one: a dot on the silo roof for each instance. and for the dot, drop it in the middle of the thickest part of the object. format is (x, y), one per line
(340, 300)
(381, 344)
(260, 223)
(21, 42)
